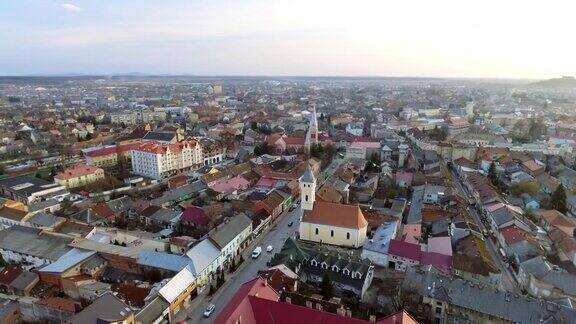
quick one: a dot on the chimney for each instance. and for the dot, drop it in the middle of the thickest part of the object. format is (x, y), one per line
(372, 319)
(348, 313)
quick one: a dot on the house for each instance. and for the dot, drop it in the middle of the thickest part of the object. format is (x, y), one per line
(544, 280)
(106, 309)
(567, 178)
(436, 298)
(376, 249)
(162, 217)
(179, 291)
(207, 260)
(56, 309)
(309, 261)
(402, 255)
(28, 189)
(232, 236)
(257, 303)
(10, 311)
(30, 247)
(79, 175)
(194, 216)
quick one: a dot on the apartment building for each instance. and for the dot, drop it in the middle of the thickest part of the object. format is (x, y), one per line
(159, 161)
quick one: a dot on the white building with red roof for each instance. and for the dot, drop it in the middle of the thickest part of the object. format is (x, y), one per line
(158, 161)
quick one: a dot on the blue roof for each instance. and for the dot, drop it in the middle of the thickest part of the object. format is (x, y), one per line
(68, 260)
(163, 260)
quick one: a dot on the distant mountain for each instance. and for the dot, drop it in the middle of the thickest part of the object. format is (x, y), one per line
(563, 82)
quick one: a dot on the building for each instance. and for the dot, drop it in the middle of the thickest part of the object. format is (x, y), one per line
(310, 261)
(79, 175)
(376, 249)
(28, 189)
(232, 236)
(109, 156)
(206, 259)
(30, 248)
(436, 298)
(159, 161)
(327, 222)
(106, 309)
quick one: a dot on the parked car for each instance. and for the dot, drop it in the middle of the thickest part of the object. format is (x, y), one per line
(256, 253)
(269, 248)
(209, 310)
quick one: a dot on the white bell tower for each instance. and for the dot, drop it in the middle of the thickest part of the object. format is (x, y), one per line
(307, 190)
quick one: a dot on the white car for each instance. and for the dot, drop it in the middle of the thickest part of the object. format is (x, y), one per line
(209, 310)
(256, 252)
(269, 248)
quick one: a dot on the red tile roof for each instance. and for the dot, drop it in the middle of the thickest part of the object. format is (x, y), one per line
(77, 171)
(239, 306)
(112, 150)
(335, 214)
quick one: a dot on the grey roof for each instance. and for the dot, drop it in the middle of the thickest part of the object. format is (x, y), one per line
(159, 136)
(545, 272)
(502, 216)
(179, 193)
(121, 204)
(40, 205)
(152, 311)
(165, 215)
(163, 260)
(68, 260)
(25, 279)
(522, 251)
(45, 220)
(7, 308)
(225, 233)
(415, 213)
(107, 308)
(308, 176)
(502, 304)
(27, 240)
(26, 185)
(297, 253)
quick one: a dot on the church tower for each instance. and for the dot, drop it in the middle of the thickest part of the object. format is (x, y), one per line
(307, 189)
(314, 125)
(307, 143)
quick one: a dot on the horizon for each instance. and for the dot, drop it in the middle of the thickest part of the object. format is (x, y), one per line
(412, 39)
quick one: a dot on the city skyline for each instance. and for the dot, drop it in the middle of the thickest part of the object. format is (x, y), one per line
(296, 38)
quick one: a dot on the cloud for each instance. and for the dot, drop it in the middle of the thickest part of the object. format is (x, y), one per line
(70, 7)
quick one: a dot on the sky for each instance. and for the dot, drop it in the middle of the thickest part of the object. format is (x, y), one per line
(439, 38)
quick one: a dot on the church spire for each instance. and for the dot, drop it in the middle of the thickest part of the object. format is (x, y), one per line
(313, 129)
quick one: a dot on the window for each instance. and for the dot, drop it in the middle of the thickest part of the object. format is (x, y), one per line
(306, 198)
(348, 235)
(316, 231)
(331, 233)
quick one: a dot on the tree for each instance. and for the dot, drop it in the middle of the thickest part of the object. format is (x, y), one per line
(326, 286)
(529, 187)
(492, 172)
(558, 200)
(373, 163)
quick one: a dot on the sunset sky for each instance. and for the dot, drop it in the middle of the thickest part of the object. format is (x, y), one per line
(503, 39)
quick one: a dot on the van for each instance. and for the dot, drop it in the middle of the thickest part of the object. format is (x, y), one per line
(256, 252)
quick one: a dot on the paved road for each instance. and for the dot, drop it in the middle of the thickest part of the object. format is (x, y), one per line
(275, 236)
(508, 282)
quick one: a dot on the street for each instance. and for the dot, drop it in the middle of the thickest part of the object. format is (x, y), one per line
(508, 282)
(275, 236)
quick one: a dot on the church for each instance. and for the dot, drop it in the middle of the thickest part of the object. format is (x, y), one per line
(327, 222)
